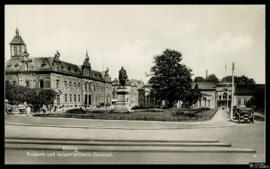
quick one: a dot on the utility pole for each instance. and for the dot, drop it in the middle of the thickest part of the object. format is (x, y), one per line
(232, 98)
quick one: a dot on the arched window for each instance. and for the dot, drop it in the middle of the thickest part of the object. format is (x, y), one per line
(15, 50)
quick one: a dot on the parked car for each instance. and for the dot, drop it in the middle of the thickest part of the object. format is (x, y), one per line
(244, 114)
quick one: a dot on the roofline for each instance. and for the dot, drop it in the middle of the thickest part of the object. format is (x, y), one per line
(49, 72)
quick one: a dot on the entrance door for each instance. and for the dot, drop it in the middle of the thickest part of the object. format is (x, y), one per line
(85, 100)
(89, 99)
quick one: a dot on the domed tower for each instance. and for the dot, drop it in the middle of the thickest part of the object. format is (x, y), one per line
(17, 45)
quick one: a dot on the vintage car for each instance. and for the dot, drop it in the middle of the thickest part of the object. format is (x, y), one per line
(244, 114)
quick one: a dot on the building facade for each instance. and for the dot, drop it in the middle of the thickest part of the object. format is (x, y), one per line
(75, 85)
(208, 91)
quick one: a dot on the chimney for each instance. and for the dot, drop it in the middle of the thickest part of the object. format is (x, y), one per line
(206, 75)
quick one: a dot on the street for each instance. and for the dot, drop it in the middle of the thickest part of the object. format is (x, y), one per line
(219, 129)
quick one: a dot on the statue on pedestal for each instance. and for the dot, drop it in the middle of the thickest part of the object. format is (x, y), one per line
(122, 76)
(122, 105)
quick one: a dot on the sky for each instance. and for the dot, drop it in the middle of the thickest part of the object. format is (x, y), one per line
(208, 36)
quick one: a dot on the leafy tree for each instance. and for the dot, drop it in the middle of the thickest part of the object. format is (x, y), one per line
(243, 80)
(171, 81)
(198, 79)
(46, 97)
(193, 96)
(212, 78)
(19, 94)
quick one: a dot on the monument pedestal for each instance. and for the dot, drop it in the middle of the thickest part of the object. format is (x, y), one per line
(122, 106)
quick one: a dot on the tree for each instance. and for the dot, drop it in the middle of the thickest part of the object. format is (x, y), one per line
(19, 94)
(171, 81)
(46, 97)
(198, 79)
(193, 96)
(212, 78)
(243, 80)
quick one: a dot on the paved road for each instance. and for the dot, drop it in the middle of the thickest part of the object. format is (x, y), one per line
(238, 135)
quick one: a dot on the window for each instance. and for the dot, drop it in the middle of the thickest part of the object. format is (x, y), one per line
(27, 83)
(70, 97)
(239, 101)
(34, 83)
(75, 85)
(15, 50)
(225, 96)
(89, 87)
(65, 84)
(58, 100)
(74, 97)
(85, 99)
(41, 83)
(230, 97)
(70, 85)
(79, 98)
(79, 86)
(57, 83)
(65, 97)
(86, 86)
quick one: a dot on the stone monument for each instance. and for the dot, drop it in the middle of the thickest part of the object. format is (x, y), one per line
(122, 106)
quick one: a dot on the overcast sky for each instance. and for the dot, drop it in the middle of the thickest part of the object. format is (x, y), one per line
(208, 36)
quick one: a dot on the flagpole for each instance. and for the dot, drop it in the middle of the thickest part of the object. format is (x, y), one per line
(232, 98)
(225, 70)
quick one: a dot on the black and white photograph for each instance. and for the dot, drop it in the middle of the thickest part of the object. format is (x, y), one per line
(135, 84)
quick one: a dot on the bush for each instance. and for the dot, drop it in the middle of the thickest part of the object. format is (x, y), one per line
(202, 109)
(76, 111)
(108, 104)
(143, 108)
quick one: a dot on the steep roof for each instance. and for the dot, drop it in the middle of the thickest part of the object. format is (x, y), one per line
(47, 64)
(17, 40)
(205, 85)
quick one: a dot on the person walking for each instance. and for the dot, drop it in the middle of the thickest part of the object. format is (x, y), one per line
(28, 110)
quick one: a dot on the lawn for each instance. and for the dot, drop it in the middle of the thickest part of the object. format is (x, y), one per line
(147, 115)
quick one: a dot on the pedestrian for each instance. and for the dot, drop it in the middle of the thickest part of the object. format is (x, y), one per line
(28, 110)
